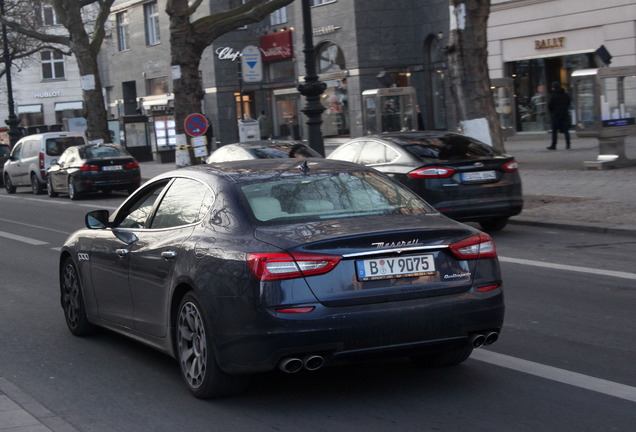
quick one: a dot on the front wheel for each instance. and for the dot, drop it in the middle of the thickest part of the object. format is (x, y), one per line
(195, 354)
(72, 300)
(8, 185)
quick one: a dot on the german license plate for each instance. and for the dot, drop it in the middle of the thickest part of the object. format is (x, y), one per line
(111, 168)
(395, 267)
(479, 176)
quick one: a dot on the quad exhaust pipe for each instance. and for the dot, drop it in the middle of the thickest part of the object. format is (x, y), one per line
(479, 339)
(309, 362)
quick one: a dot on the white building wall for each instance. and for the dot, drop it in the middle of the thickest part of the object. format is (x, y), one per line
(514, 26)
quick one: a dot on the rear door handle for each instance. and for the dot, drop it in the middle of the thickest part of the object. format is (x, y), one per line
(122, 252)
(168, 255)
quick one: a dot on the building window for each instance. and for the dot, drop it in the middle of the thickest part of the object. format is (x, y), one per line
(52, 65)
(279, 16)
(330, 58)
(48, 14)
(122, 30)
(151, 19)
(156, 86)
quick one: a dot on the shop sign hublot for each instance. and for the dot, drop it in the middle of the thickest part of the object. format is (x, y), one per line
(542, 44)
(47, 94)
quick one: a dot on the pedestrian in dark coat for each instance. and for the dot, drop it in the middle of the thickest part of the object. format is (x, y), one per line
(559, 106)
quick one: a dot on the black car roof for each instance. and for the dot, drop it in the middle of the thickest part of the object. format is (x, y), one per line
(244, 171)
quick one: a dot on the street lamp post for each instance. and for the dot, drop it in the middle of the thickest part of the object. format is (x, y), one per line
(312, 88)
(13, 120)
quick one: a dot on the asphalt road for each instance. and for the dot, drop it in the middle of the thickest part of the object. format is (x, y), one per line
(564, 361)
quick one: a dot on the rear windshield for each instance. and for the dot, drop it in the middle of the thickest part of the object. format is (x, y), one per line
(102, 152)
(446, 147)
(329, 196)
(56, 146)
(283, 151)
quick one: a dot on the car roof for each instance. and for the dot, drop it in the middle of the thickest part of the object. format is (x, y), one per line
(264, 143)
(245, 171)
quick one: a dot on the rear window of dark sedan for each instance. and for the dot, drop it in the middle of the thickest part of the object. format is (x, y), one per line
(102, 152)
(327, 196)
(446, 147)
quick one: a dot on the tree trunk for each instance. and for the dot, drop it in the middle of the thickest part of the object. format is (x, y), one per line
(185, 57)
(468, 70)
(70, 13)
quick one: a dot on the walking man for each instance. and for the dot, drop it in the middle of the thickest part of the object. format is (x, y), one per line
(559, 106)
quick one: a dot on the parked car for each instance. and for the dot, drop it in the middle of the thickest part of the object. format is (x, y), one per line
(460, 176)
(244, 267)
(263, 149)
(32, 155)
(92, 168)
(5, 150)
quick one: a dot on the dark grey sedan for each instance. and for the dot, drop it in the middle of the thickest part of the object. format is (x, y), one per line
(460, 176)
(245, 267)
(93, 167)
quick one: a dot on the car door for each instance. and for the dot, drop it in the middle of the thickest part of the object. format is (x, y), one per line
(58, 172)
(110, 256)
(13, 167)
(160, 248)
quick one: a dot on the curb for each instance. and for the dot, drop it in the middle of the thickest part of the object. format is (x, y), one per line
(576, 226)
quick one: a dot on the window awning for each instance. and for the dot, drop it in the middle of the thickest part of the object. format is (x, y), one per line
(29, 109)
(63, 106)
(155, 102)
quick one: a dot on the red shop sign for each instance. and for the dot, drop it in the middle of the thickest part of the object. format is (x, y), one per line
(277, 46)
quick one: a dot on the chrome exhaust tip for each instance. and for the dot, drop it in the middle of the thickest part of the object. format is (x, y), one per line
(477, 340)
(313, 362)
(290, 365)
(491, 338)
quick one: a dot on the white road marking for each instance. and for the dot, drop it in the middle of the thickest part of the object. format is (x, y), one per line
(598, 385)
(22, 239)
(599, 272)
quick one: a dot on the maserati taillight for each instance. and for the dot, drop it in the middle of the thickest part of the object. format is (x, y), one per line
(271, 266)
(475, 247)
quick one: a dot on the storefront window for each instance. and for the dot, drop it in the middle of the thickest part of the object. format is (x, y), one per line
(532, 80)
(336, 116)
(286, 122)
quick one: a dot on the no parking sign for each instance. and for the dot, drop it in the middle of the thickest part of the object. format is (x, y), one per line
(196, 125)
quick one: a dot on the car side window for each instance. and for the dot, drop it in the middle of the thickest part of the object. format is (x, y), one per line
(137, 212)
(347, 152)
(15, 154)
(374, 153)
(184, 203)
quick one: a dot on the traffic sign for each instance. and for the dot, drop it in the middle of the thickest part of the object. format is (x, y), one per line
(251, 64)
(196, 125)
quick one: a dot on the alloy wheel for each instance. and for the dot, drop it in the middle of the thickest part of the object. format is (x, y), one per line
(192, 345)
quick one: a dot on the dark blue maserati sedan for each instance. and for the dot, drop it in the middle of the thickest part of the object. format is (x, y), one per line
(244, 267)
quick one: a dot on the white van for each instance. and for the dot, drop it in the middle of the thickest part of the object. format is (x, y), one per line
(32, 156)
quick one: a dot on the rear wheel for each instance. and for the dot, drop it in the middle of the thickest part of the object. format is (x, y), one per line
(448, 358)
(72, 300)
(72, 192)
(49, 188)
(8, 185)
(494, 224)
(195, 354)
(36, 186)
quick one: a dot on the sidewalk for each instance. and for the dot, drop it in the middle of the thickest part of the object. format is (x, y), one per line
(558, 192)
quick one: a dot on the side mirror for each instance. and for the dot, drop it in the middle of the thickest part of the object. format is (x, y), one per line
(97, 219)
(54, 162)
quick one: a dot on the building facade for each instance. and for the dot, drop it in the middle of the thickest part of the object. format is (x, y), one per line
(360, 46)
(532, 43)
